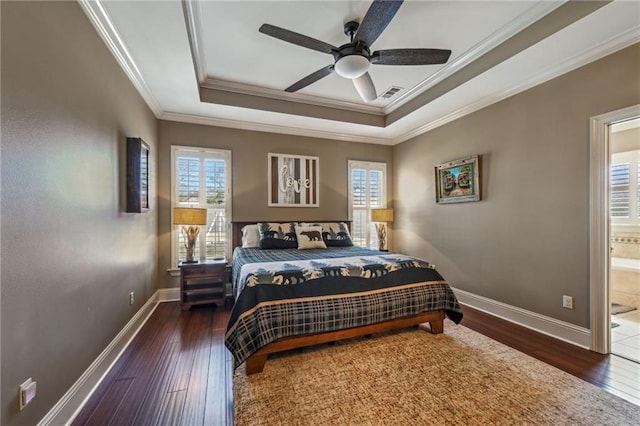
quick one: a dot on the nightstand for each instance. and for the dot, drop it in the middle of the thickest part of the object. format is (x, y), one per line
(203, 282)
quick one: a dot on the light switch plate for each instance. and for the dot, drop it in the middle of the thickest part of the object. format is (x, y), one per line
(27, 392)
(567, 302)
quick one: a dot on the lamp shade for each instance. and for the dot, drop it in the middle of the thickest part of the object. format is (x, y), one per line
(187, 216)
(382, 215)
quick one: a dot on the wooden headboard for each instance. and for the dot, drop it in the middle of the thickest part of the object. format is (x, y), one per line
(236, 228)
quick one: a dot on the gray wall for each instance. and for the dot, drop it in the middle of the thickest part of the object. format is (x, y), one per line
(70, 255)
(249, 167)
(527, 242)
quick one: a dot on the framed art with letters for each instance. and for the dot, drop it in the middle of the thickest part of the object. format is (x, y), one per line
(293, 181)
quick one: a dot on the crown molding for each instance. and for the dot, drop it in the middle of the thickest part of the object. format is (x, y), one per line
(193, 22)
(103, 25)
(589, 55)
(107, 31)
(270, 128)
(531, 15)
(247, 89)
(585, 57)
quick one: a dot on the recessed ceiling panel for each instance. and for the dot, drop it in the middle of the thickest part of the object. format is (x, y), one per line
(235, 51)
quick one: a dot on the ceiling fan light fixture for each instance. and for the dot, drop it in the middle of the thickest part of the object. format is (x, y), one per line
(352, 66)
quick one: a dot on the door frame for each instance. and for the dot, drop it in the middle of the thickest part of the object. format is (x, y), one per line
(599, 224)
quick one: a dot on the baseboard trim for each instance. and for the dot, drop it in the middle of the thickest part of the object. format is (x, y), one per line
(169, 294)
(68, 407)
(561, 330)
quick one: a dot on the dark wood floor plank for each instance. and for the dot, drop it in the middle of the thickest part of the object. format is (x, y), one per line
(159, 315)
(180, 372)
(169, 375)
(195, 399)
(147, 368)
(149, 409)
(171, 413)
(220, 382)
(116, 393)
(196, 393)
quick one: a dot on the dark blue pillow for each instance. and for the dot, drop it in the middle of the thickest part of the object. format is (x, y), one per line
(277, 235)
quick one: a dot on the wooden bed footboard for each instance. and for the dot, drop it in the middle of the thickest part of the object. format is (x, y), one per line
(256, 362)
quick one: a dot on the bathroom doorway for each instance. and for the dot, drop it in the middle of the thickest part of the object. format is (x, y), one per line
(600, 244)
(624, 235)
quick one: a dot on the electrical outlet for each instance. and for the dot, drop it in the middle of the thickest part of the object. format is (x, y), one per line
(27, 392)
(567, 302)
(131, 298)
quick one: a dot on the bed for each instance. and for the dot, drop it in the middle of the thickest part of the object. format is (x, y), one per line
(285, 298)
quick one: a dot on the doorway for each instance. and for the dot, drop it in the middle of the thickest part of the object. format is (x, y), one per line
(624, 225)
(600, 227)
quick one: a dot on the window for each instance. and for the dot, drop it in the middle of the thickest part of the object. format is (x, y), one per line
(367, 190)
(624, 193)
(201, 178)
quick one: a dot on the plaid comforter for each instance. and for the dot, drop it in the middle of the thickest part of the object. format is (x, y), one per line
(330, 289)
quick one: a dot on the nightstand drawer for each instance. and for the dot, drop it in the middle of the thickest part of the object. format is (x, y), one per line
(202, 283)
(203, 270)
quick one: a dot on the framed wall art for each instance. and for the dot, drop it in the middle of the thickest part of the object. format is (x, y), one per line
(137, 176)
(458, 181)
(293, 181)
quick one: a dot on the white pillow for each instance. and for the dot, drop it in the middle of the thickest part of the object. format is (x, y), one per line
(310, 237)
(250, 236)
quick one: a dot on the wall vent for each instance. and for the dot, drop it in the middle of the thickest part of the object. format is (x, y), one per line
(391, 92)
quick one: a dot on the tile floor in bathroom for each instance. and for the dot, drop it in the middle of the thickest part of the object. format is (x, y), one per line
(625, 339)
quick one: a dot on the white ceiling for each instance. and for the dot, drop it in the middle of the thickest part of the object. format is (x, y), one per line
(206, 62)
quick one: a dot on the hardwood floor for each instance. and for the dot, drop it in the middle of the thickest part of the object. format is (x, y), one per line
(617, 375)
(177, 370)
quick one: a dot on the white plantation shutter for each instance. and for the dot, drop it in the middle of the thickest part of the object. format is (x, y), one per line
(188, 175)
(201, 179)
(619, 194)
(367, 190)
(624, 191)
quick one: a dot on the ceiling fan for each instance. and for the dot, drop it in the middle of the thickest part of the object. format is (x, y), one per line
(352, 60)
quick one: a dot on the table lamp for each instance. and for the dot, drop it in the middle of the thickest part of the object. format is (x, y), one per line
(381, 217)
(190, 219)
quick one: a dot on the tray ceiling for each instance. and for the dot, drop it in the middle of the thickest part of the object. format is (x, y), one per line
(206, 62)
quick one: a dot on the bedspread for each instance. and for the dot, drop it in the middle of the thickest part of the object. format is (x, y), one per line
(288, 297)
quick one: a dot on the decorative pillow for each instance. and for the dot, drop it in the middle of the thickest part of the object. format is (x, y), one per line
(335, 234)
(310, 237)
(250, 236)
(277, 235)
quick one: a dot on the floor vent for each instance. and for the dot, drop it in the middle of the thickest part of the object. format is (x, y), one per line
(391, 92)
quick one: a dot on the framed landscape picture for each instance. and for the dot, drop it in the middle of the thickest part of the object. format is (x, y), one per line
(458, 181)
(293, 181)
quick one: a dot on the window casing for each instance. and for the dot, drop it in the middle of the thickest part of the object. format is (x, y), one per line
(201, 178)
(624, 191)
(367, 190)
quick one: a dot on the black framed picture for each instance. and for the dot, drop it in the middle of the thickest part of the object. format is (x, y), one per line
(137, 176)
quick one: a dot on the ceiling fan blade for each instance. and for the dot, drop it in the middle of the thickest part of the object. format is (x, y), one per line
(311, 78)
(410, 56)
(380, 13)
(364, 86)
(298, 39)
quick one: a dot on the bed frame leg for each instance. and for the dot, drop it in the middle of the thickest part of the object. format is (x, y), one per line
(437, 327)
(255, 364)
